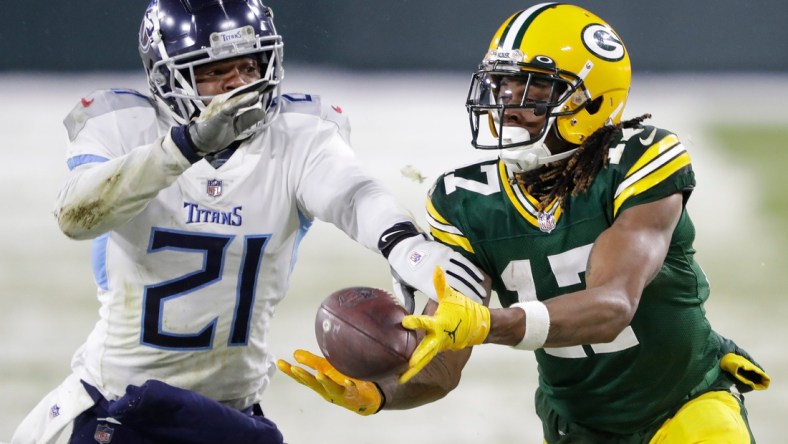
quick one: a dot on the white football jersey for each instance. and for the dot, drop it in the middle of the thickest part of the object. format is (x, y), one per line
(190, 261)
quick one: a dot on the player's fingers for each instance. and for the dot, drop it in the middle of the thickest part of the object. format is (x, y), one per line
(302, 355)
(307, 379)
(336, 375)
(249, 117)
(410, 373)
(311, 360)
(426, 350)
(300, 374)
(294, 372)
(439, 281)
(284, 366)
(329, 385)
(233, 104)
(416, 365)
(419, 322)
(320, 365)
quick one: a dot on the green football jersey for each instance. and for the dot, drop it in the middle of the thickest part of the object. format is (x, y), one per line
(669, 348)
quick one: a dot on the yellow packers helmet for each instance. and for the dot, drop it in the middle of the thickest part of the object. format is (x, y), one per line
(577, 54)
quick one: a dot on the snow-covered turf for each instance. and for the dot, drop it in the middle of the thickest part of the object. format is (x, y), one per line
(47, 303)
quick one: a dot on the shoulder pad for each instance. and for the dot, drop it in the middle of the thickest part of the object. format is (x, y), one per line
(472, 168)
(637, 141)
(300, 103)
(480, 177)
(311, 104)
(649, 164)
(646, 136)
(101, 102)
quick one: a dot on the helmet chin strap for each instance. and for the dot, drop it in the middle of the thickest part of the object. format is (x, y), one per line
(529, 157)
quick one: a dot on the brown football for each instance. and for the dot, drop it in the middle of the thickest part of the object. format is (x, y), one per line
(360, 333)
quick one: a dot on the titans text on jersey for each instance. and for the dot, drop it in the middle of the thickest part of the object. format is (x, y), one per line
(196, 214)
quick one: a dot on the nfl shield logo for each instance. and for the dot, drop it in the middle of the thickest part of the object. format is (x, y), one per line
(415, 257)
(214, 187)
(546, 222)
(103, 433)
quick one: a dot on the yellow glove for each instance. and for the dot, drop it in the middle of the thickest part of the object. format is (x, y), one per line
(358, 396)
(458, 323)
(745, 372)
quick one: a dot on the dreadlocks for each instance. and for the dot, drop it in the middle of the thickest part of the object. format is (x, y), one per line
(574, 175)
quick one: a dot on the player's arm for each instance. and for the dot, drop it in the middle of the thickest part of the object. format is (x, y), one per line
(333, 186)
(624, 259)
(100, 194)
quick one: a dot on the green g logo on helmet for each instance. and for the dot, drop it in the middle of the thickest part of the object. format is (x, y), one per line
(600, 41)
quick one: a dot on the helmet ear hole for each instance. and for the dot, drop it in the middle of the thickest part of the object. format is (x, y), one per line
(594, 105)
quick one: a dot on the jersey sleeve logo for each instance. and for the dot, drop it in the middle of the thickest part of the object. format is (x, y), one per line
(648, 140)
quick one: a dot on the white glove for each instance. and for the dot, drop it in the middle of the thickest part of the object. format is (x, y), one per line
(226, 117)
(413, 261)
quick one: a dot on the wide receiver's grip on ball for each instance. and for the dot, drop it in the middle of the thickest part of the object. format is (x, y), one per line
(359, 331)
(457, 323)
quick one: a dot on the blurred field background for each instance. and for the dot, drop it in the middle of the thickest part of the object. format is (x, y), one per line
(735, 128)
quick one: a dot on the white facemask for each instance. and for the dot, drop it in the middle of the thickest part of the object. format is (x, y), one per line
(524, 158)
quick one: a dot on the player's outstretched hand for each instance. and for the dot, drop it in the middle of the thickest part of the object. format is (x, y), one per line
(358, 396)
(226, 117)
(459, 322)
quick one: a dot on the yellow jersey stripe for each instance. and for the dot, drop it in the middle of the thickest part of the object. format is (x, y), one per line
(441, 229)
(649, 181)
(524, 203)
(507, 187)
(648, 169)
(653, 152)
(433, 213)
(451, 239)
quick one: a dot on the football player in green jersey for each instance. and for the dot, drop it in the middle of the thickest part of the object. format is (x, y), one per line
(582, 227)
(580, 223)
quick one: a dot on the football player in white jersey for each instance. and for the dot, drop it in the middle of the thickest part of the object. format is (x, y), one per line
(196, 198)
